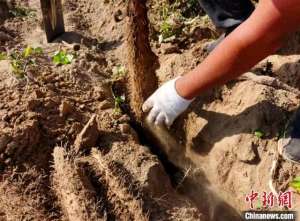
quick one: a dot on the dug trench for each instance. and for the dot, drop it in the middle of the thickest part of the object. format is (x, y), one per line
(185, 177)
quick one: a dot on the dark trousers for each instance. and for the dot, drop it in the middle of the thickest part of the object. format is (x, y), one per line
(227, 14)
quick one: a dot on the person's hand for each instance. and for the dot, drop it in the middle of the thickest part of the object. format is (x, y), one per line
(165, 105)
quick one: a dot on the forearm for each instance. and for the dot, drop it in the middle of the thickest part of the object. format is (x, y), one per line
(258, 37)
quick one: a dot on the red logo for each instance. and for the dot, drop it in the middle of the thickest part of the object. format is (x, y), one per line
(269, 200)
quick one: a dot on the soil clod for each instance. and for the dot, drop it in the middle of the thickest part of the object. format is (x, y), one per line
(88, 136)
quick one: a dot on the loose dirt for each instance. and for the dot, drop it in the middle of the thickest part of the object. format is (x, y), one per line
(71, 149)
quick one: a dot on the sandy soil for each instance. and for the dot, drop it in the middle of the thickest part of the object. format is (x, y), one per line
(68, 153)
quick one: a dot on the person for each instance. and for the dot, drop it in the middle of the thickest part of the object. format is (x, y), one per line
(250, 34)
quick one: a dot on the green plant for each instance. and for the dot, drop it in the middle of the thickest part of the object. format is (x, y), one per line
(28, 51)
(20, 11)
(166, 30)
(165, 11)
(172, 22)
(296, 184)
(21, 59)
(259, 133)
(119, 71)
(119, 100)
(61, 57)
(3, 56)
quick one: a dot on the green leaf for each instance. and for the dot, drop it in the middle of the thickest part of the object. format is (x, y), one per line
(38, 50)
(259, 133)
(16, 67)
(296, 184)
(62, 58)
(69, 58)
(27, 51)
(166, 30)
(119, 100)
(119, 71)
(3, 56)
(57, 57)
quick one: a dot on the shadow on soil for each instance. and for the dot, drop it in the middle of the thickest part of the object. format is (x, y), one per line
(265, 116)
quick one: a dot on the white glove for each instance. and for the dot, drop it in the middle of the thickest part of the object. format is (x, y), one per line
(165, 104)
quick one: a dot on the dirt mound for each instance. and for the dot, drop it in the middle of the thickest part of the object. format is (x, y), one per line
(75, 192)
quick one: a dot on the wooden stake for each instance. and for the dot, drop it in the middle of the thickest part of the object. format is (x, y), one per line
(53, 18)
(4, 11)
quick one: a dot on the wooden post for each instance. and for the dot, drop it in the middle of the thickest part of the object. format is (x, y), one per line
(3, 11)
(53, 18)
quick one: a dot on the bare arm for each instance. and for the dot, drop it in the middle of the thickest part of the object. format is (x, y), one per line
(261, 35)
(252, 41)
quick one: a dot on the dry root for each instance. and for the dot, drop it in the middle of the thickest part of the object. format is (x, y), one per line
(269, 81)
